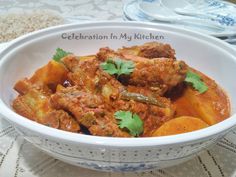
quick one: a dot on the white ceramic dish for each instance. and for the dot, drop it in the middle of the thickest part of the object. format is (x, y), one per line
(211, 56)
(220, 11)
(132, 12)
(164, 10)
(3, 45)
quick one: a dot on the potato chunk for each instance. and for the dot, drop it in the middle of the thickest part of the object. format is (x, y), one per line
(212, 106)
(179, 125)
(51, 75)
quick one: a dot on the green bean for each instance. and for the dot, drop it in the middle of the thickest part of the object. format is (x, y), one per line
(141, 98)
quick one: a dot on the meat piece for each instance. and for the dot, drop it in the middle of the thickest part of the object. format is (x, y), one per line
(83, 73)
(21, 106)
(149, 50)
(88, 76)
(72, 96)
(152, 116)
(34, 104)
(24, 86)
(89, 111)
(162, 73)
(106, 53)
(61, 120)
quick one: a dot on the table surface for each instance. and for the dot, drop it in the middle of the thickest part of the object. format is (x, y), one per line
(19, 158)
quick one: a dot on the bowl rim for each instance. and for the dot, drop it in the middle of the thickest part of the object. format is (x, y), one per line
(209, 132)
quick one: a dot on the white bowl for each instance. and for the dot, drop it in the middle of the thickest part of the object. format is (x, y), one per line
(207, 54)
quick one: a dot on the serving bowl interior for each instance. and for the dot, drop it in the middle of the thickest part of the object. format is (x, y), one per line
(207, 54)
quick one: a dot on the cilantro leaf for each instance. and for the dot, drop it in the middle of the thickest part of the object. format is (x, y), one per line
(60, 53)
(109, 67)
(196, 82)
(118, 66)
(130, 121)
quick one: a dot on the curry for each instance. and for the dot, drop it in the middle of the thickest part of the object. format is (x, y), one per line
(137, 91)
